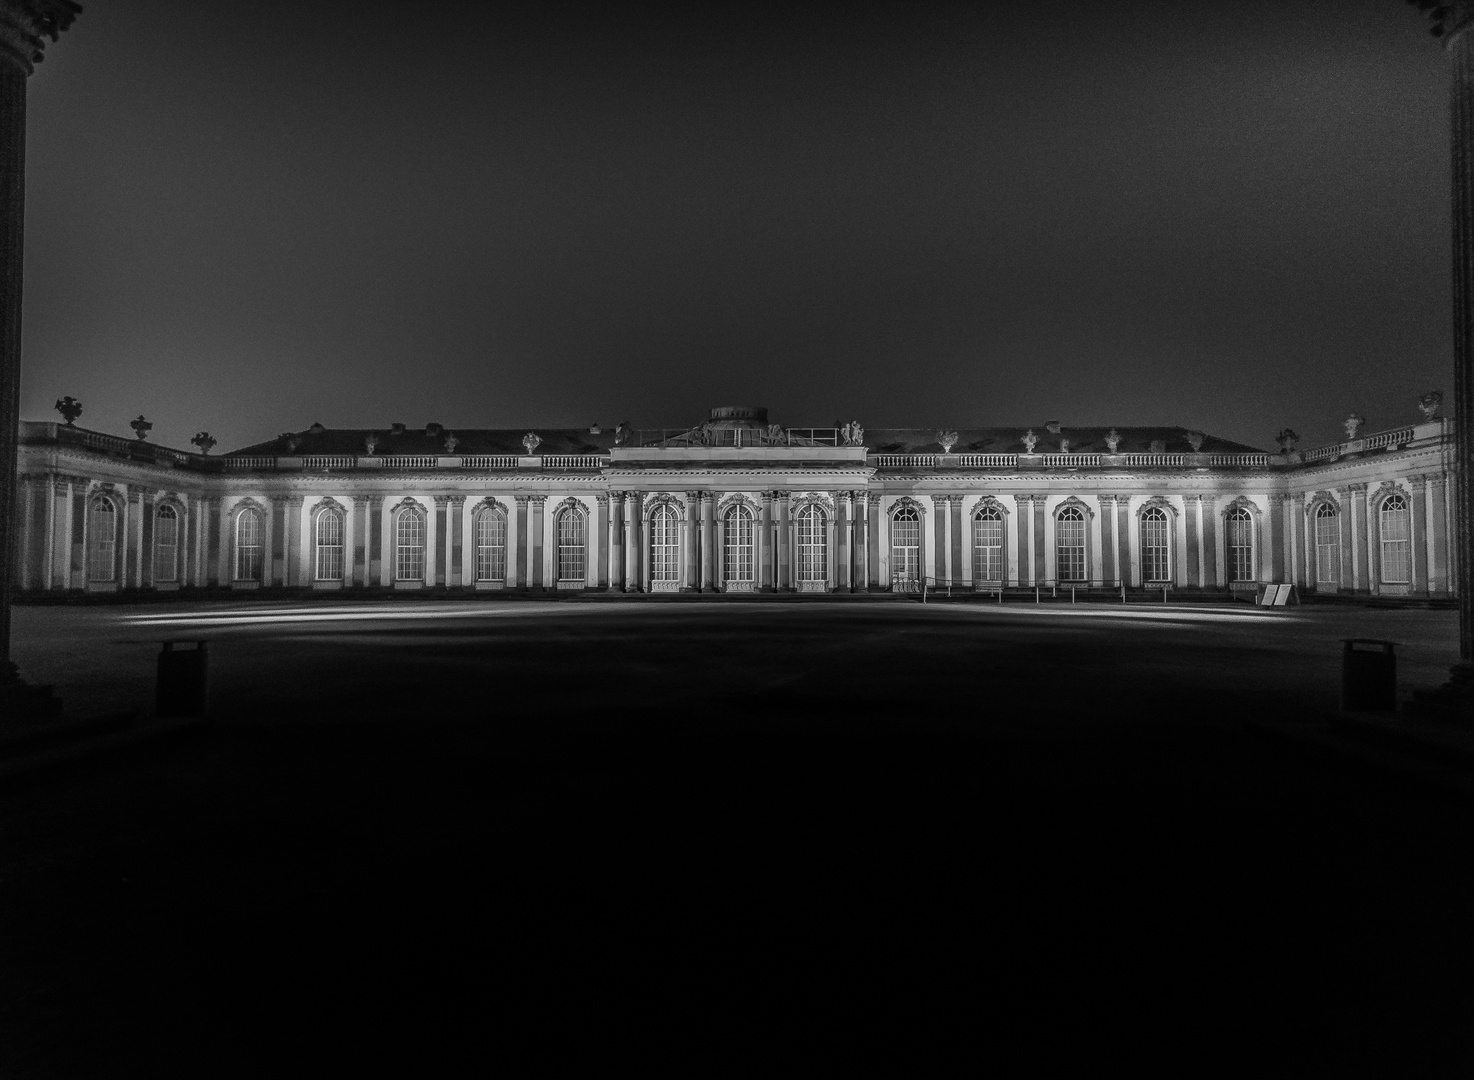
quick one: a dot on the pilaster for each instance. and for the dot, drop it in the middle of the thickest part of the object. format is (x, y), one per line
(1440, 577)
(765, 544)
(709, 550)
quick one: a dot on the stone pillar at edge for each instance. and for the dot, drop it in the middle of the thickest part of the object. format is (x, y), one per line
(708, 542)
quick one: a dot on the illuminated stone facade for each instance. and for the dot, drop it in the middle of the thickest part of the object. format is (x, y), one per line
(737, 505)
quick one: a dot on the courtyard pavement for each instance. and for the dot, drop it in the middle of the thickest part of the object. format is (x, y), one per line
(460, 831)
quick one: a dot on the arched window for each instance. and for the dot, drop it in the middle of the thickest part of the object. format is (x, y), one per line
(1396, 535)
(102, 539)
(166, 544)
(1327, 545)
(737, 562)
(905, 546)
(571, 551)
(813, 561)
(329, 535)
(248, 537)
(409, 545)
(491, 544)
(1069, 544)
(1241, 545)
(665, 546)
(987, 545)
(1155, 545)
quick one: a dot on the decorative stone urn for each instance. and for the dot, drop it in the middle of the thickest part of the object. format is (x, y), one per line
(1030, 441)
(370, 443)
(948, 439)
(1428, 404)
(141, 427)
(1113, 441)
(1195, 440)
(70, 408)
(1352, 424)
(204, 441)
(1287, 440)
(1064, 446)
(532, 442)
(451, 442)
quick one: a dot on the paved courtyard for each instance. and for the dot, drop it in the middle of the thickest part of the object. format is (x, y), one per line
(445, 828)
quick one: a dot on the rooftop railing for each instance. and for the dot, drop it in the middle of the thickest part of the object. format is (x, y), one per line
(773, 435)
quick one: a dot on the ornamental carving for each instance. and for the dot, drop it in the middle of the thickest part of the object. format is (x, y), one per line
(1384, 491)
(664, 498)
(532, 441)
(736, 499)
(328, 503)
(1077, 504)
(141, 427)
(1324, 498)
(1430, 403)
(407, 503)
(853, 434)
(1030, 440)
(948, 439)
(1157, 502)
(1287, 440)
(1195, 440)
(70, 408)
(821, 499)
(1241, 502)
(906, 502)
(489, 504)
(1113, 440)
(1353, 424)
(569, 503)
(986, 503)
(204, 440)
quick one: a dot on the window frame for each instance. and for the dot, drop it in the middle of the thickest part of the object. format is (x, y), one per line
(1240, 563)
(905, 558)
(571, 552)
(95, 563)
(1157, 551)
(1327, 513)
(739, 544)
(250, 558)
(159, 546)
(984, 554)
(1071, 561)
(410, 556)
(1400, 547)
(335, 552)
(490, 556)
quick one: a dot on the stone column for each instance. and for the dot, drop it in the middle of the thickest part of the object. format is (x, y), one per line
(1348, 540)
(1365, 571)
(1039, 563)
(1025, 506)
(1439, 578)
(1212, 577)
(1193, 505)
(25, 26)
(294, 570)
(132, 576)
(861, 533)
(536, 535)
(844, 512)
(601, 530)
(355, 546)
(616, 541)
(631, 542)
(785, 542)
(1108, 541)
(1418, 539)
(437, 541)
(691, 524)
(709, 550)
(48, 569)
(939, 540)
(765, 544)
(523, 544)
(955, 574)
(831, 541)
(646, 542)
(872, 539)
(1277, 519)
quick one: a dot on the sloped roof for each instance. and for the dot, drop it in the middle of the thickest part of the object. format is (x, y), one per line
(1083, 440)
(996, 440)
(333, 441)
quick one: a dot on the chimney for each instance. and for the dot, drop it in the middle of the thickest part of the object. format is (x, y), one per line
(396, 429)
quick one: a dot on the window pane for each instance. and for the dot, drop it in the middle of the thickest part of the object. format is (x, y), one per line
(1396, 547)
(737, 556)
(665, 544)
(1327, 545)
(905, 545)
(330, 545)
(571, 563)
(102, 535)
(1241, 546)
(166, 544)
(1155, 545)
(987, 546)
(410, 546)
(248, 553)
(812, 550)
(1070, 544)
(491, 546)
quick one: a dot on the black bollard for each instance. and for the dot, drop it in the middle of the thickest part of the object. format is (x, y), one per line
(1368, 676)
(184, 681)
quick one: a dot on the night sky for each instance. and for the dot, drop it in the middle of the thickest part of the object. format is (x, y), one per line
(246, 217)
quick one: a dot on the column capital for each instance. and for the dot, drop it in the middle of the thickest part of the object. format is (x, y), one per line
(1437, 479)
(26, 24)
(600, 499)
(537, 500)
(873, 498)
(441, 501)
(1356, 488)
(1421, 478)
(375, 502)
(1105, 500)
(695, 496)
(521, 500)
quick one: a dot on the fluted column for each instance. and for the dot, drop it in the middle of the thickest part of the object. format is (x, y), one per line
(616, 541)
(785, 544)
(709, 548)
(631, 542)
(765, 544)
(1439, 578)
(691, 524)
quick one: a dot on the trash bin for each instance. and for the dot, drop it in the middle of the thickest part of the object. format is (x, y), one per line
(184, 676)
(1368, 675)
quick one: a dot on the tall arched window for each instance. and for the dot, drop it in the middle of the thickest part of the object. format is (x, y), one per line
(329, 536)
(737, 564)
(1396, 530)
(1069, 544)
(248, 549)
(665, 546)
(987, 545)
(1155, 546)
(166, 544)
(409, 545)
(491, 544)
(1240, 539)
(813, 552)
(102, 539)
(572, 557)
(1327, 545)
(905, 545)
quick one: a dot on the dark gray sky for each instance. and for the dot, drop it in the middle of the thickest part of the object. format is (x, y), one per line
(245, 217)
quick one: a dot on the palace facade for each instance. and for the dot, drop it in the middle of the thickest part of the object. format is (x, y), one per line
(737, 504)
